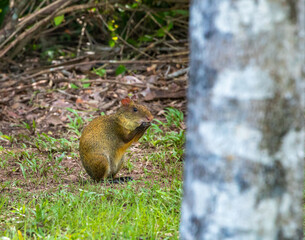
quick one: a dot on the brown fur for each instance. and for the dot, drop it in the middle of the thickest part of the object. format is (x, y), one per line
(105, 140)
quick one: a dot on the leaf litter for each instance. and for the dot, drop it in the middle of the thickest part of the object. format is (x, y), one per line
(47, 103)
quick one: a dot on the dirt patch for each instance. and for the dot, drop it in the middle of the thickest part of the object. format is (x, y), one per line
(44, 101)
(71, 172)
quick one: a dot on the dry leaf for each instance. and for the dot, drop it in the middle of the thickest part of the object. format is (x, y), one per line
(54, 120)
(151, 68)
(131, 80)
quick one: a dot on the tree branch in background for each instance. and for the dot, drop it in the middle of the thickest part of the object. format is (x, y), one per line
(23, 38)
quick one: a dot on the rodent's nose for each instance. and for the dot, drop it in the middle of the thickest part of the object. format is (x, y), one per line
(149, 118)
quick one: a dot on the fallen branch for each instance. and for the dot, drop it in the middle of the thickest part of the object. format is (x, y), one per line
(177, 73)
(62, 66)
(165, 94)
(19, 88)
(105, 81)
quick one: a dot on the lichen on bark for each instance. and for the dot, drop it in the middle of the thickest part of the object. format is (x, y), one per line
(245, 139)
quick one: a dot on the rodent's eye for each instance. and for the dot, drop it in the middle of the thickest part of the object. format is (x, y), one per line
(135, 109)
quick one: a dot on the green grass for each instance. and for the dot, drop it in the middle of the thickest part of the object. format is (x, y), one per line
(95, 212)
(38, 202)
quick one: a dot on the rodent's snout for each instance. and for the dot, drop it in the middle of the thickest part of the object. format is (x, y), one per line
(149, 118)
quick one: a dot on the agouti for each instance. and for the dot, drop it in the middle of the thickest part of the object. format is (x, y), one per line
(105, 140)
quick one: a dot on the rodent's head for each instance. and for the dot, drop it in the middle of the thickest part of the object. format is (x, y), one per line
(132, 115)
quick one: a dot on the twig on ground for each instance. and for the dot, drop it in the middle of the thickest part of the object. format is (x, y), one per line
(177, 73)
(19, 88)
(175, 54)
(150, 46)
(81, 38)
(69, 65)
(105, 81)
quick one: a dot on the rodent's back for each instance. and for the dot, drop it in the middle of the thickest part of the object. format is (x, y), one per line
(96, 136)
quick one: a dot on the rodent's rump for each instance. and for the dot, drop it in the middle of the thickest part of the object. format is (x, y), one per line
(104, 141)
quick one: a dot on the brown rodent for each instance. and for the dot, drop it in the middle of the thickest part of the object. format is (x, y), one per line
(105, 140)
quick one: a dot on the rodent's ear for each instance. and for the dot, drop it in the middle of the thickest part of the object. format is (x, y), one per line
(134, 98)
(126, 101)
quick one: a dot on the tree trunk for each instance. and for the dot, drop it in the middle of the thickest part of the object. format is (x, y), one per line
(245, 144)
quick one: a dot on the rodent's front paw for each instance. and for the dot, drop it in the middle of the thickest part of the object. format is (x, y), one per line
(145, 124)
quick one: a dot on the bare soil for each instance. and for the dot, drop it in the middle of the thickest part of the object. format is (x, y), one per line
(47, 104)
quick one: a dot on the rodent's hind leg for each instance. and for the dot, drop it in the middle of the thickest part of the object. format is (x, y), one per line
(99, 167)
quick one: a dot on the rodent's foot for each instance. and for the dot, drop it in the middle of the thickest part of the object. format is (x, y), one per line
(121, 180)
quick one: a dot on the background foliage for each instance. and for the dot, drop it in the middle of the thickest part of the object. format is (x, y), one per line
(125, 29)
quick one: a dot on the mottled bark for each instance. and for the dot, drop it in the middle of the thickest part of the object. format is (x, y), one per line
(245, 141)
